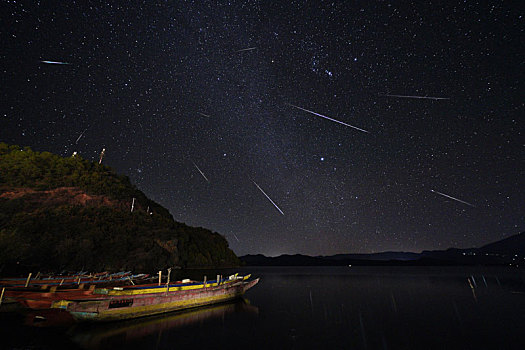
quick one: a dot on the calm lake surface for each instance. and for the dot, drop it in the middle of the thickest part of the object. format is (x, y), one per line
(321, 308)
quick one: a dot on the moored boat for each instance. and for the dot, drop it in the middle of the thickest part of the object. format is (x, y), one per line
(42, 297)
(67, 281)
(129, 302)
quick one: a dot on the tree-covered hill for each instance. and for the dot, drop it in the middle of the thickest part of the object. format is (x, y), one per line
(69, 213)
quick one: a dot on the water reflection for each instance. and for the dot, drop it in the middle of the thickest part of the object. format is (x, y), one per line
(106, 335)
(325, 308)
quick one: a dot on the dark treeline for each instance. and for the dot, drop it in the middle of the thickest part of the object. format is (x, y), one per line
(69, 213)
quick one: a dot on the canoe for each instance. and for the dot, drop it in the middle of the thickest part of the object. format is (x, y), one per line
(145, 300)
(41, 298)
(68, 280)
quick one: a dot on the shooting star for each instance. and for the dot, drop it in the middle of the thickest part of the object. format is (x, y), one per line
(247, 49)
(82, 134)
(420, 97)
(205, 115)
(236, 237)
(204, 176)
(275, 205)
(457, 200)
(54, 62)
(324, 116)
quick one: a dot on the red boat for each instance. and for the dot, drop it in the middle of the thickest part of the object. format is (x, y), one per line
(38, 297)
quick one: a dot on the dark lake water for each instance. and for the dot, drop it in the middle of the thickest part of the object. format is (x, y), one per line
(321, 308)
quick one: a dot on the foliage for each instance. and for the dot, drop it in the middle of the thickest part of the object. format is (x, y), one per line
(22, 167)
(102, 236)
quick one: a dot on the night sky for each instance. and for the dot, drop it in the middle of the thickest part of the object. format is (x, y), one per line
(175, 88)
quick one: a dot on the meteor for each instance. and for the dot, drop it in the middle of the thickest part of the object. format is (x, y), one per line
(82, 134)
(324, 116)
(275, 205)
(457, 200)
(204, 176)
(54, 62)
(420, 97)
(247, 49)
(205, 115)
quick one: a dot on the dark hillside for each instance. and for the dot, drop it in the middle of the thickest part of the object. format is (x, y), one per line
(68, 213)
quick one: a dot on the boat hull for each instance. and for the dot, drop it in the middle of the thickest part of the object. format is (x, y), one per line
(134, 306)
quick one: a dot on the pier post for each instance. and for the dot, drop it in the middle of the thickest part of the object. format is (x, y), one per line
(2, 296)
(218, 279)
(160, 276)
(28, 278)
(169, 273)
(204, 285)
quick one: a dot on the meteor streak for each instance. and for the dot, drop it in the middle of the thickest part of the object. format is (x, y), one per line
(247, 49)
(204, 176)
(205, 115)
(324, 116)
(82, 134)
(236, 237)
(421, 97)
(275, 205)
(458, 200)
(54, 62)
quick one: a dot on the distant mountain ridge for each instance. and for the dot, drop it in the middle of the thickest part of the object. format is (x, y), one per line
(508, 251)
(510, 245)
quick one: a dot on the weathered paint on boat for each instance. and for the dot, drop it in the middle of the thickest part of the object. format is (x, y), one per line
(44, 300)
(139, 302)
(176, 287)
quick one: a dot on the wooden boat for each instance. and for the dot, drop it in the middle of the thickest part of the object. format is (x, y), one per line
(42, 297)
(43, 300)
(122, 303)
(69, 280)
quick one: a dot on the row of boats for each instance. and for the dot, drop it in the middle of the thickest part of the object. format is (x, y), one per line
(105, 297)
(43, 281)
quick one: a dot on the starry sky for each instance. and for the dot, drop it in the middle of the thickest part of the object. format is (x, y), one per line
(219, 112)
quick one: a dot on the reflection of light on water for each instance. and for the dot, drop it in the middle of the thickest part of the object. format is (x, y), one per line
(93, 336)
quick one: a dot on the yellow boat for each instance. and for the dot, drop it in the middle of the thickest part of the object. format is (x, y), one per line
(129, 302)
